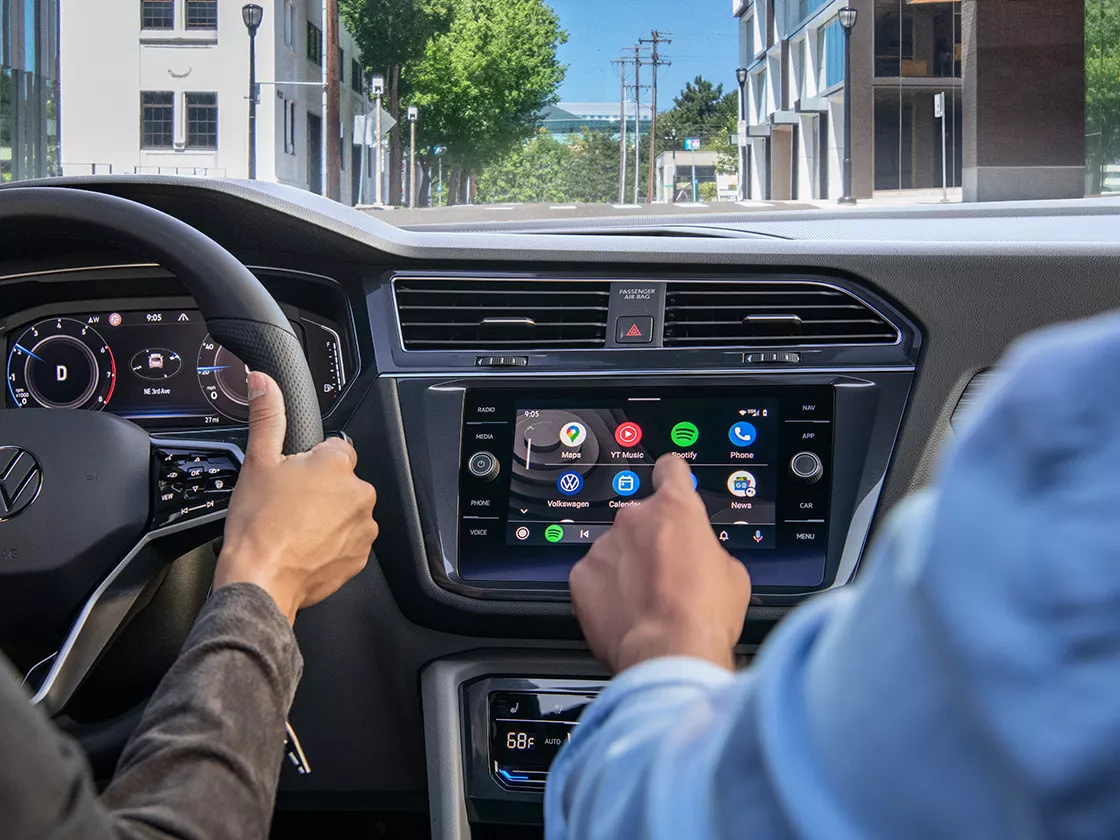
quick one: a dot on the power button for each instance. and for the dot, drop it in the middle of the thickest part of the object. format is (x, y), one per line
(484, 466)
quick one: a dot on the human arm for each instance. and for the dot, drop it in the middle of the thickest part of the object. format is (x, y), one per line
(965, 687)
(204, 761)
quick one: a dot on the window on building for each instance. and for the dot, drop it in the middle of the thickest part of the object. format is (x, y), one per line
(830, 55)
(157, 119)
(202, 14)
(356, 83)
(289, 126)
(202, 120)
(314, 44)
(157, 14)
(289, 23)
(917, 41)
(342, 145)
(341, 66)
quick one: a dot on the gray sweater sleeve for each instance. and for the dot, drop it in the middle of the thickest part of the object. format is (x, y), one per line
(203, 763)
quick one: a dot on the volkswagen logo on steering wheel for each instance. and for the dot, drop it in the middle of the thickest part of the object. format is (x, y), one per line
(21, 479)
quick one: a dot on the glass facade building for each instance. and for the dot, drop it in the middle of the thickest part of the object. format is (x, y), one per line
(917, 56)
(904, 53)
(29, 106)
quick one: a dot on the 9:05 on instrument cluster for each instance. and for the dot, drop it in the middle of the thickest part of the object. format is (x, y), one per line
(160, 368)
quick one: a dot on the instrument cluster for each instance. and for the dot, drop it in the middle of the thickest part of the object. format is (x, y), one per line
(159, 368)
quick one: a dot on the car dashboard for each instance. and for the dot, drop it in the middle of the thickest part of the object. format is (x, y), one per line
(508, 389)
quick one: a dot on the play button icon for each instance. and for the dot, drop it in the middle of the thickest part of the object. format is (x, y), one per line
(628, 434)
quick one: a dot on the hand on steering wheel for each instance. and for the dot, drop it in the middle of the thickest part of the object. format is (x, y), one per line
(299, 526)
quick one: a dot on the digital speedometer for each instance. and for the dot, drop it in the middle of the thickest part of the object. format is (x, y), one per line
(173, 374)
(61, 363)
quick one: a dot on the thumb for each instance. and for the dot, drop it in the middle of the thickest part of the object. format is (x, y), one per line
(267, 419)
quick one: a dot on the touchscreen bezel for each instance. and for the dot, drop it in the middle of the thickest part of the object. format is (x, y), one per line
(503, 404)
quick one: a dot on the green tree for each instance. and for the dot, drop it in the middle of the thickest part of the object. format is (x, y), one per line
(1102, 86)
(701, 110)
(392, 34)
(482, 82)
(592, 176)
(533, 172)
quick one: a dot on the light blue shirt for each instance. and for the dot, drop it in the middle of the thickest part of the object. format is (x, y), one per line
(967, 686)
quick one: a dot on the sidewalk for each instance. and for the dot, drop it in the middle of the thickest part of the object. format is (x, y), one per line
(897, 198)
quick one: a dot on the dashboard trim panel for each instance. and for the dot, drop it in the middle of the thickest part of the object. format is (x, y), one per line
(869, 409)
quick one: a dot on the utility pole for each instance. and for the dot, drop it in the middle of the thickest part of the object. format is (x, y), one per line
(637, 118)
(332, 119)
(622, 131)
(656, 38)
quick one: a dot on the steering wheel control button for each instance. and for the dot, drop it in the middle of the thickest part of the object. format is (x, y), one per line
(193, 483)
(484, 466)
(634, 329)
(806, 467)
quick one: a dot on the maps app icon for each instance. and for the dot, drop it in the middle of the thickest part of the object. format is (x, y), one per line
(573, 434)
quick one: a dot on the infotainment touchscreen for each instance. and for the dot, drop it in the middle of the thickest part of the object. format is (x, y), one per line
(544, 475)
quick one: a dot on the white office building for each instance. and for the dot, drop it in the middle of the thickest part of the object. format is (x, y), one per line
(161, 87)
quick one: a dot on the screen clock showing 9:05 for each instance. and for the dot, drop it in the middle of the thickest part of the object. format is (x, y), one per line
(158, 368)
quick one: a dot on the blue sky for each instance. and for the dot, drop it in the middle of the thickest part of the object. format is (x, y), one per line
(704, 43)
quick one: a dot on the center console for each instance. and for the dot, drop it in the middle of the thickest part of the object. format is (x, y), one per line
(534, 410)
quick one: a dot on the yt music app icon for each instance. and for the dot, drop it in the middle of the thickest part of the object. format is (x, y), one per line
(628, 434)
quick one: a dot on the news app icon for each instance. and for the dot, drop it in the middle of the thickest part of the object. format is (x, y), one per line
(626, 483)
(569, 483)
(573, 434)
(742, 484)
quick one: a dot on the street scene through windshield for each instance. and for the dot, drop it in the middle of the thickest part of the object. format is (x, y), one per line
(431, 111)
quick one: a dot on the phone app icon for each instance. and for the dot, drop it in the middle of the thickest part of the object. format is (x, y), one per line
(628, 434)
(569, 483)
(554, 533)
(684, 433)
(742, 433)
(742, 484)
(626, 483)
(573, 434)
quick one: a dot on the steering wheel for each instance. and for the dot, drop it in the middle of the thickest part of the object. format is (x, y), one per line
(87, 499)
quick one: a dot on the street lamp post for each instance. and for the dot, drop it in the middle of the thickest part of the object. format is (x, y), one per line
(377, 85)
(413, 115)
(847, 17)
(741, 76)
(252, 14)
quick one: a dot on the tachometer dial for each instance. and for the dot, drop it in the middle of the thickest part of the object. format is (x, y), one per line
(61, 363)
(222, 375)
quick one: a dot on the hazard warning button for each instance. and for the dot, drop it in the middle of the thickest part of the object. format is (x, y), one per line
(634, 330)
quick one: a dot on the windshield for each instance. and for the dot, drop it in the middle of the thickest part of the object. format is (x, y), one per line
(432, 111)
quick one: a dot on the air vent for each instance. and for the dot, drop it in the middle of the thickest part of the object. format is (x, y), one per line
(492, 314)
(768, 314)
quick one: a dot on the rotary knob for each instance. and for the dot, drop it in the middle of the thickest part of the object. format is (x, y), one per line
(806, 467)
(483, 466)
